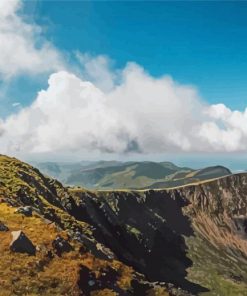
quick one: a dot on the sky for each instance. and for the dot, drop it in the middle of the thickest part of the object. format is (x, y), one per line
(199, 43)
(146, 80)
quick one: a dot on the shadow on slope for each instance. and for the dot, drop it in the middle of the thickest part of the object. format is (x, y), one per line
(145, 231)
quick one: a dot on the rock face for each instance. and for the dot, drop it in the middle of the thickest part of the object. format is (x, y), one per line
(21, 243)
(3, 227)
(162, 233)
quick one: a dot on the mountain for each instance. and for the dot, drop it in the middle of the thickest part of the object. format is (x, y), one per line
(60, 170)
(129, 175)
(70, 258)
(190, 240)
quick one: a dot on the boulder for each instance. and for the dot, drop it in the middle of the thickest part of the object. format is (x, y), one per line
(27, 211)
(3, 227)
(61, 245)
(21, 243)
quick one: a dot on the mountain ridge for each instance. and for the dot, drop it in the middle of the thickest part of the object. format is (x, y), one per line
(181, 241)
(130, 175)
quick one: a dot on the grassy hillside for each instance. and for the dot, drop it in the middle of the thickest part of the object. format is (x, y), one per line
(48, 273)
(130, 175)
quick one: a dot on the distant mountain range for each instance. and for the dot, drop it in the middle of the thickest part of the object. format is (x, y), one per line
(128, 175)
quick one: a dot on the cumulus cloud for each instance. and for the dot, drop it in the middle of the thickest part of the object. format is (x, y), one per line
(226, 130)
(23, 50)
(98, 70)
(140, 113)
(70, 115)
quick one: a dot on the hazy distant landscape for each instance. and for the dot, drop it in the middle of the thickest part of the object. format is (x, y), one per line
(128, 175)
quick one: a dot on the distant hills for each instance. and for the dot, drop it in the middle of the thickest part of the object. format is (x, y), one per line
(128, 175)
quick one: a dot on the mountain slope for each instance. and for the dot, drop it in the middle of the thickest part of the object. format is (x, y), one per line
(89, 268)
(181, 178)
(193, 237)
(129, 175)
(191, 234)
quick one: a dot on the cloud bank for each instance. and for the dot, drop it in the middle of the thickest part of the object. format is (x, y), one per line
(102, 109)
(139, 114)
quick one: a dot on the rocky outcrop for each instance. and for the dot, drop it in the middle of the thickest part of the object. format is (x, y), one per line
(21, 243)
(26, 211)
(218, 210)
(61, 245)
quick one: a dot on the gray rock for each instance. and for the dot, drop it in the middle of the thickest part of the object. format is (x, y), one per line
(27, 211)
(21, 243)
(3, 227)
(91, 283)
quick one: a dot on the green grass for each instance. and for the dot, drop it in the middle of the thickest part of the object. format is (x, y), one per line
(213, 269)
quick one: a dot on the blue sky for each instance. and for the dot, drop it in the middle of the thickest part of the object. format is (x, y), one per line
(54, 46)
(200, 43)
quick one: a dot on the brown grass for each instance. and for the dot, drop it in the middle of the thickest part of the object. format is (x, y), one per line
(21, 274)
(220, 236)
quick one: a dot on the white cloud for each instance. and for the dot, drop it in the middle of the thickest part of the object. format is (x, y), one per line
(23, 50)
(227, 130)
(98, 70)
(69, 115)
(140, 113)
(16, 104)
